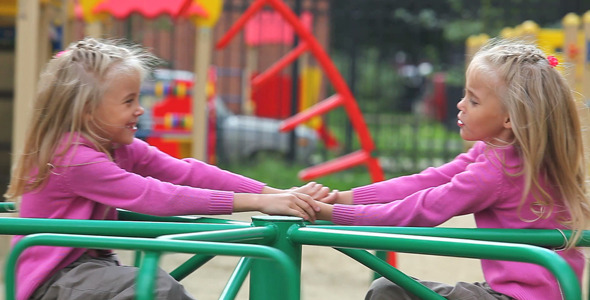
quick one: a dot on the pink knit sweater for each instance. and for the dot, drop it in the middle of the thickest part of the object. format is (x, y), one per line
(85, 184)
(477, 182)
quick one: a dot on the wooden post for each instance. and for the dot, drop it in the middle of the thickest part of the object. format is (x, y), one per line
(27, 67)
(199, 105)
(203, 53)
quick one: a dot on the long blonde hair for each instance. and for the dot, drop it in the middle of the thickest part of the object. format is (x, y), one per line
(546, 126)
(71, 85)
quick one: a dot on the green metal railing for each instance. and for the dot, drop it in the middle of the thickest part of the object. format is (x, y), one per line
(268, 240)
(283, 265)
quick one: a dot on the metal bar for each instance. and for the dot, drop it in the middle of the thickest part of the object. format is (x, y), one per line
(263, 283)
(256, 234)
(24, 226)
(7, 207)
(137, 258)
(190, 266)
(279, 65)
(146, 277)
(283, 263)
(317, 109)
(236, 279)
(125, 215)
(447, 247)
(240, 23)
(538, 237)
(251, 234)
(380, 266)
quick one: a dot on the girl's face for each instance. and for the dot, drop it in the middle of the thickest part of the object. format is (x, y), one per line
(482, 116)
(117, 114)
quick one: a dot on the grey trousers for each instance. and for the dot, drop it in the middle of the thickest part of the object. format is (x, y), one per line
(100, 278)
(383, 289)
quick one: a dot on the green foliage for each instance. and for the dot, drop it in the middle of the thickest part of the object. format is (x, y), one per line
(457, 31)
(455, 76)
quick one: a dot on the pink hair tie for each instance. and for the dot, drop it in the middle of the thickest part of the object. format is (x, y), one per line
(552, 60)
(60, 53)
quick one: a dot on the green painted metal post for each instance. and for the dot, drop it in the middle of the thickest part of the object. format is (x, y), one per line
(264, 284)
(236, 279)
(146, 276)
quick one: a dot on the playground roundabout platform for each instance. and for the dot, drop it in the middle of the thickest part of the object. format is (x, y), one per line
(277, 257)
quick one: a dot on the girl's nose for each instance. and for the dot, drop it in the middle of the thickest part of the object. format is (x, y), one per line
(140, 111)
(460, 103)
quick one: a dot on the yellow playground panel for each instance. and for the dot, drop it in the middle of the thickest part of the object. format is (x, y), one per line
(569, 44)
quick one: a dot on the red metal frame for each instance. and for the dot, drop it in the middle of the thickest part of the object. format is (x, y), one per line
(279, 65)
(343, 95)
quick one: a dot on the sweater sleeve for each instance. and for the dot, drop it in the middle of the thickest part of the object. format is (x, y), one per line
(103, 181)
(476, 188)
(401, 187)
(149, 161)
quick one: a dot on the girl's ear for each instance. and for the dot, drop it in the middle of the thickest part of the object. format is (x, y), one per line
(507, 123)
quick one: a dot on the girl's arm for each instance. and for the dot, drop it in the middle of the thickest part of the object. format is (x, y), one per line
(92, 176)
(108, 184)
(478, 188)
(148, 161)
(401, 187)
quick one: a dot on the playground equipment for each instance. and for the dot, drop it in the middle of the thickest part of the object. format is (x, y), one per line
(204, 14)
(343, 97)
(270, 96)
(168, 118)
(167, 124)
(270, 248)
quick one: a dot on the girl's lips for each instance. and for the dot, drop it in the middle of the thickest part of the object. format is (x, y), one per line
(460, 123)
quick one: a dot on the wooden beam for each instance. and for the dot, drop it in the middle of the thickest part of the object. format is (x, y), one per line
(27, 67)
(203, 51)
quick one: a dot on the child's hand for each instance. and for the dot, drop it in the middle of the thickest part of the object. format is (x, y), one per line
(290, 203)
(337, 197)
(315, 190)
(287, 203)
(330, 198)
